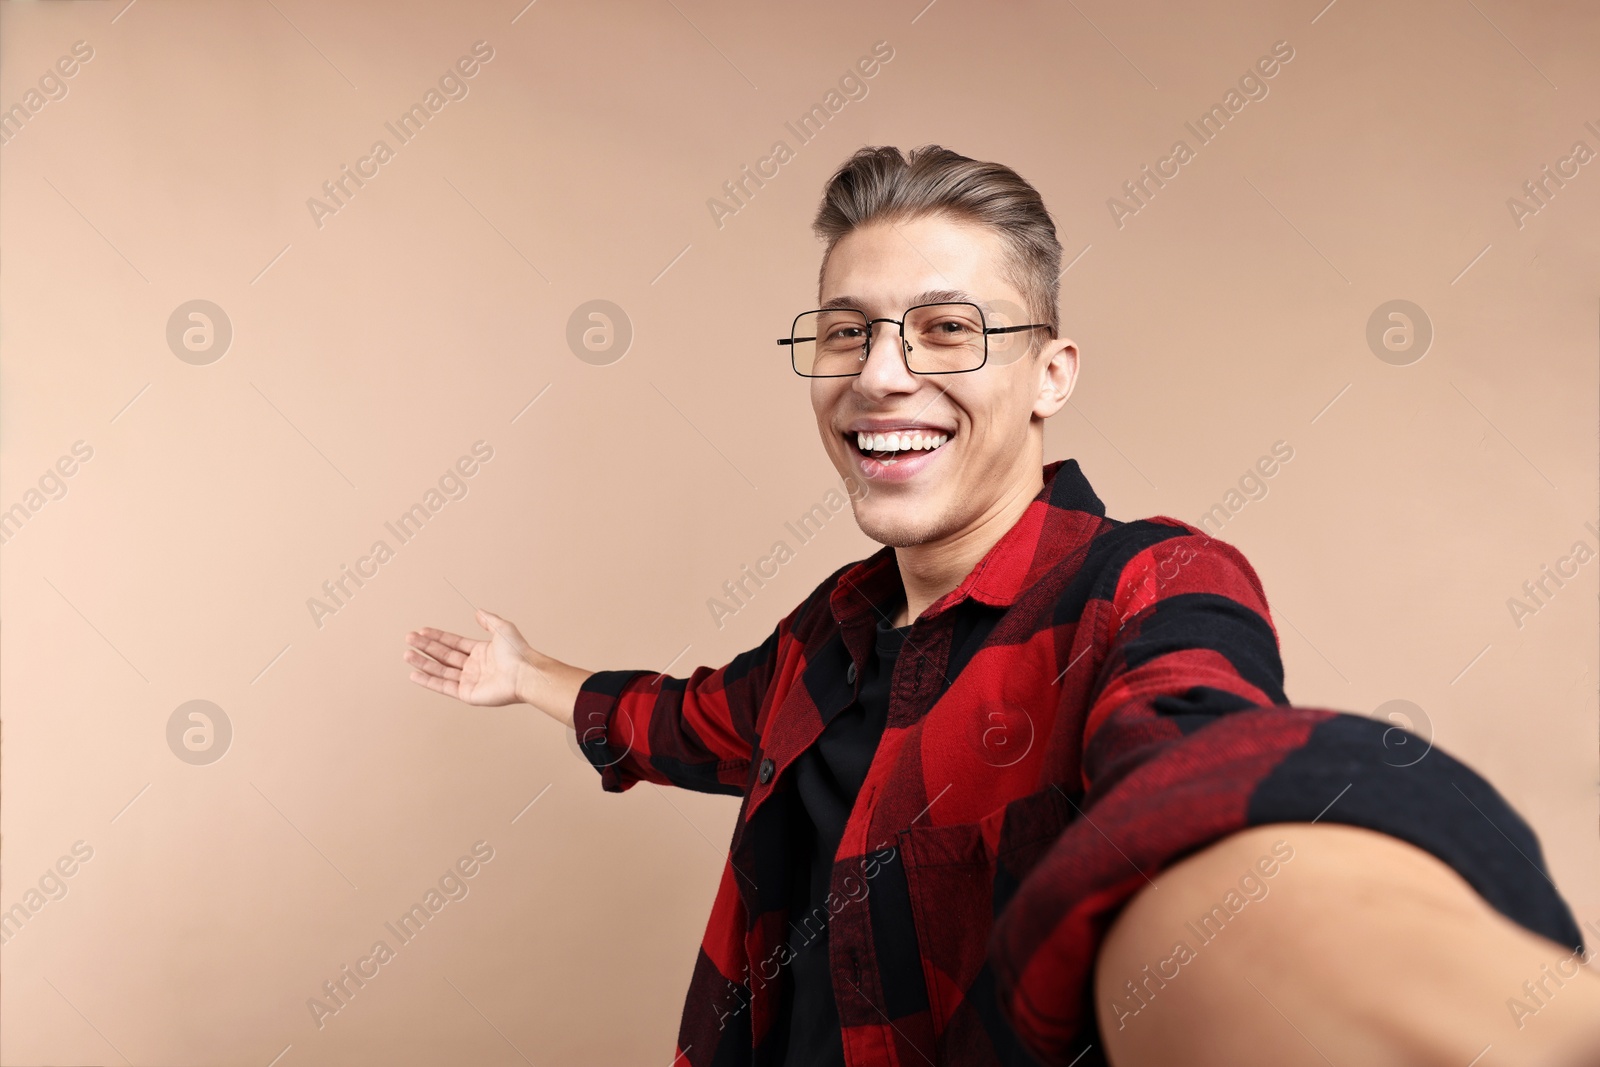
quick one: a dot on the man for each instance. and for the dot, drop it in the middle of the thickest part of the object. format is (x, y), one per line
(1023, 786)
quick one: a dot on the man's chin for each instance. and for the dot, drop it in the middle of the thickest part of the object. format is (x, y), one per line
(896, 528)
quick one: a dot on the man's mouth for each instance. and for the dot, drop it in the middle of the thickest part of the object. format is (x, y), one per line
(889, 447)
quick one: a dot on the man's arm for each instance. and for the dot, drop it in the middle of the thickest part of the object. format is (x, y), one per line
(1188, 739)
(1360, 950)
(696, 732)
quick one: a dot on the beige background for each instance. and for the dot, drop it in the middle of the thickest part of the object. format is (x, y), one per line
(370, 353)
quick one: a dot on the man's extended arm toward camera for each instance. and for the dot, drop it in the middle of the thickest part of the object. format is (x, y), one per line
(1390, 926)
(1361, 950)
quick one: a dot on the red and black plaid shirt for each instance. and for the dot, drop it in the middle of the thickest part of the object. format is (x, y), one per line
(1096, 700)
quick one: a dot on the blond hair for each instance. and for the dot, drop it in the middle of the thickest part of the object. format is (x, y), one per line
(879, 184)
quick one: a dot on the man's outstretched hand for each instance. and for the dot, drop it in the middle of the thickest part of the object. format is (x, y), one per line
(482, 672)
(497, 670)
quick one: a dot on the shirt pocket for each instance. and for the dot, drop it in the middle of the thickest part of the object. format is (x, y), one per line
(958, 879)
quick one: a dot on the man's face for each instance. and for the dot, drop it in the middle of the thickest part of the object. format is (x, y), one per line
(986, 416)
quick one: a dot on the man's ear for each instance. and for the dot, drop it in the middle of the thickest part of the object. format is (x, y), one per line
(1058, 373)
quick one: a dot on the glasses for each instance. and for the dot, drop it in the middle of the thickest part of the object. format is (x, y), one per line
(947, 338)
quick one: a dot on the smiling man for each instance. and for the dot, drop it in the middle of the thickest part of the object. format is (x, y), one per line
(1024, 786)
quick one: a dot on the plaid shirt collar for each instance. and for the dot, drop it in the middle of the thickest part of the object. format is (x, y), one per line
(1060, 521)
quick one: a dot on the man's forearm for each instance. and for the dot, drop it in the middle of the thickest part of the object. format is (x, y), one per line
(1360, 949)
(551, 686)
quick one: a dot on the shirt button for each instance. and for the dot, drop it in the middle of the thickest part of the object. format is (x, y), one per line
(850, 674)
(765, 774)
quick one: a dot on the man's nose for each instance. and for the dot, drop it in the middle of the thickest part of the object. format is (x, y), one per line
(885, 346)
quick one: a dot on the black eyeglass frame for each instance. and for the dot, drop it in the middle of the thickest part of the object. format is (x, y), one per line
(905, 346)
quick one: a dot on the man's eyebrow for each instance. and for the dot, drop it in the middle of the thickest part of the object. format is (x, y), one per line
(932, 296)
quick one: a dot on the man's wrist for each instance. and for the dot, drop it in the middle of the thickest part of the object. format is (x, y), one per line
(527, 683)
(550, 685)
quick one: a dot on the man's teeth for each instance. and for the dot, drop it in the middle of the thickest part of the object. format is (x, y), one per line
(899, 442)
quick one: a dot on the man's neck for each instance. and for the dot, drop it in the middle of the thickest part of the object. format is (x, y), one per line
(930, 571)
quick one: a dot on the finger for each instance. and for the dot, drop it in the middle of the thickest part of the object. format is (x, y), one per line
(421, 639)
(438, 685)
(430, 666)
(455, 656)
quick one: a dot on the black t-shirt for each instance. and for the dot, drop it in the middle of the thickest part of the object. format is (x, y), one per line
(827, 777)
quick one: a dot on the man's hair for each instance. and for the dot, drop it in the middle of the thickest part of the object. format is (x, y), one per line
(879, 184)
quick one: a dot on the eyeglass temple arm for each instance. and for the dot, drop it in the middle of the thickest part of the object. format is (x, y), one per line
(1014, 329)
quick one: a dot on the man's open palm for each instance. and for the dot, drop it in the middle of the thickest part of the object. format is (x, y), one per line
(474, 671)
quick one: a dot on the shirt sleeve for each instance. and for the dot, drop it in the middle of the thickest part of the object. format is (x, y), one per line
(696, 733)
(1188, 738)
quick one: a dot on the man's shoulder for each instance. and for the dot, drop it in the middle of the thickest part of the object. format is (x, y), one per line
(1124, 553)
(1118, 541)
